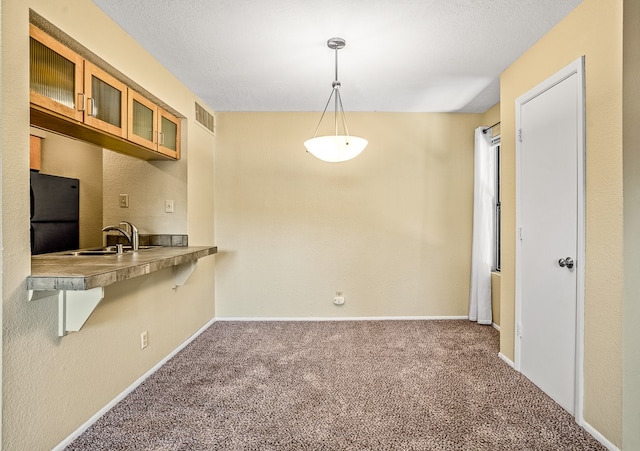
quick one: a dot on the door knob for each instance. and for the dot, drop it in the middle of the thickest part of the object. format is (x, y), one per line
(568, 262)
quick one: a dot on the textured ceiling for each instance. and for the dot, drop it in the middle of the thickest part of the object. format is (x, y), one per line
(401, 55)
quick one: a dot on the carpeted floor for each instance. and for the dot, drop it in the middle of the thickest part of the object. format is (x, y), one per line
(372, 385)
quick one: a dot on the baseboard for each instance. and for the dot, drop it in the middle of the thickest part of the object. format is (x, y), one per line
(75, 434)
(506, 359)
(496, 326)
(599, 437)
(344, 318)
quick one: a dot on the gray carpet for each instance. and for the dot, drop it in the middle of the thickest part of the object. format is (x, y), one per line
(373, 385)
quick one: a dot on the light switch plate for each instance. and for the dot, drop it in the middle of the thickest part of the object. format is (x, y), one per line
(168, 206)
(124, 201)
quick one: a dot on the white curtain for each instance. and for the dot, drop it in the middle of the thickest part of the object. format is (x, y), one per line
(483, 228)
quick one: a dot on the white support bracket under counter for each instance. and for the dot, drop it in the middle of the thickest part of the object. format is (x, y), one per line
(74, 307)
(181, 273)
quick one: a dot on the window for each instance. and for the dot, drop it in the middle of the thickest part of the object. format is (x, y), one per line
(495, 147)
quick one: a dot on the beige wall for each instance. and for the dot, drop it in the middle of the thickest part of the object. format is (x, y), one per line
(72, 158)
(491, 117)
(593, 29)
(52, 385)
(495, 297)
(631, 141)
(391, 228)
(127, 175)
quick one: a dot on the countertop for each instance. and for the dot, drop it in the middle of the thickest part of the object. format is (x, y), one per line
(67, 272)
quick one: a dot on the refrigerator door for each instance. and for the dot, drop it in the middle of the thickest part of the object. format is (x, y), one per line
(49, 237)
(54, 199)
(55, 213)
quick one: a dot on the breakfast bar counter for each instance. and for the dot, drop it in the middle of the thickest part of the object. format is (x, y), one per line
(65, 271)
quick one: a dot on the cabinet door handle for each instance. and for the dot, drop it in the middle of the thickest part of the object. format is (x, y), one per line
(92, 105)
(162, 138)
(82, 103)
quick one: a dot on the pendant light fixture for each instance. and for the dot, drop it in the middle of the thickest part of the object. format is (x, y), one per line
(335, 148)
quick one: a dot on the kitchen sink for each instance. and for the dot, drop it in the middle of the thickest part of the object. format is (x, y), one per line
(108, 250)
(90, 252)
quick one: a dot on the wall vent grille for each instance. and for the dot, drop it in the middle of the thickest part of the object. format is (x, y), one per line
(205, 118)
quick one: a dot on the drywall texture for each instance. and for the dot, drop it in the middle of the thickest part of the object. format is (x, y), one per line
(492, 117)
(53, 385)
(127, 175)
(72, 158)
(631, 146)
(593, 29)
(391, 229)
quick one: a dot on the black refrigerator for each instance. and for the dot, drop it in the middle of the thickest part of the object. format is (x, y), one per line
(55, 213)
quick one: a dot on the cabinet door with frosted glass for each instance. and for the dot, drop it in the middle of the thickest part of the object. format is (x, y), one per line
(106, 107)
(55, 76)
(143, 121)
(169, 136)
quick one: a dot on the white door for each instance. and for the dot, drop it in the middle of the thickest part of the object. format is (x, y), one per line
(549, 255)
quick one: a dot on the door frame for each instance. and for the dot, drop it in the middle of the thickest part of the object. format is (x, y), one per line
(575, 68)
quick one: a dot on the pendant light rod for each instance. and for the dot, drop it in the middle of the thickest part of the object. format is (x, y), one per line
(335, 44)
(335, 108)
(336, 49)
(344, 117)
(323, 113)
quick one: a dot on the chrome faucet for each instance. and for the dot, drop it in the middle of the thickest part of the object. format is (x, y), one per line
(130, 234)
(133, 234)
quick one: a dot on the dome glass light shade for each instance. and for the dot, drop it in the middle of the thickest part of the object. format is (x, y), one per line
(335, 148)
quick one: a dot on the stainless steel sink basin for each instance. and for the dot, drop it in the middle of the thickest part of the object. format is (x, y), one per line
(108, 250)
(91, 252)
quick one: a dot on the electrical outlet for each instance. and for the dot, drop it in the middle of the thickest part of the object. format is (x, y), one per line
(124, 201)
(168, 206)
(144, 340)
(339, 299)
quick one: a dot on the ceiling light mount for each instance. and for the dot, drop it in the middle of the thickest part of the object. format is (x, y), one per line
(335, 148)
(336, 43)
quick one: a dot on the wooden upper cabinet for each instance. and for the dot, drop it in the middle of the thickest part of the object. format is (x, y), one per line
(63, 82)
(71, 95)
(143, 120)
(56, 81)
(152, 126)
(106, 97)
(169, 132)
